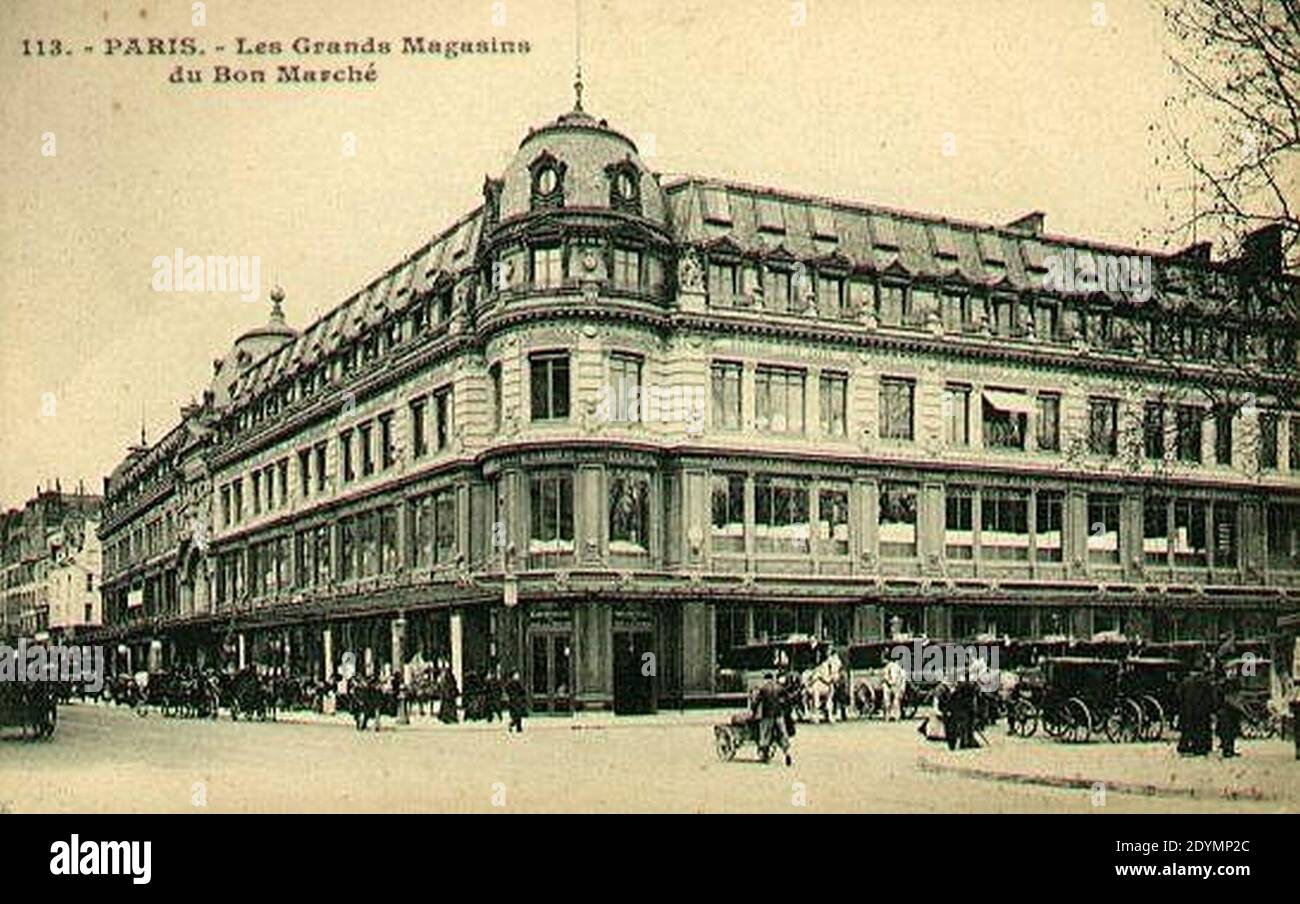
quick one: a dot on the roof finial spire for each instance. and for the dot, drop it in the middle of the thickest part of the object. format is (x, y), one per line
(577, 55)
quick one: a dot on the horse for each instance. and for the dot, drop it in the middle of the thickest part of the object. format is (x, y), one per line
(819, 686)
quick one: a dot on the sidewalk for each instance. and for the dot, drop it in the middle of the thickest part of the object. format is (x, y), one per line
(582, 721)
(1266, 771)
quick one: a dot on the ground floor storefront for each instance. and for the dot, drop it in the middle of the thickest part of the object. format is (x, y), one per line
(641, 652)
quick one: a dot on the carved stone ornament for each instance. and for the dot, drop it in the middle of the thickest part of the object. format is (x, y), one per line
(561, 580)
(690, 275)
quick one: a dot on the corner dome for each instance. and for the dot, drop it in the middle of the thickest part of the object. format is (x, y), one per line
(594, 167)
(251, 346)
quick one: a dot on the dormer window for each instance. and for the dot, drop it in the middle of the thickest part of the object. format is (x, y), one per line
(624, 186)
(548, 181)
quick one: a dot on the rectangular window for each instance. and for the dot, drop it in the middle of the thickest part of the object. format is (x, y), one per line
(443, 414)
(1048, 520)
(833, 398)
(367, 544)
(779, 400)
(1103, 529)
(726, 396)
(1189, 534)
(724, 283)
(1006, 416)
(956, 316)
(1223, 436)
(1004, 524)
(893, 305)
(421, 523)
(1225, 535)
(779, 295)
(1187, 422)
(1045, 322)
(304, 472)
(444, 531)
(896, 408)
(549, 376)
(1153, 430)
(624, 389)
(304, 570)
(1268, 441)
(419, 429)
(1293, 448)
(257, 492)
(833, 521)
(282, 471)
(225, 506)
(321, 475)
(1103, 426)
(237, 494)
(629, 513)
(1049, 422)
(627, 269)
(830, 296)
(1155, 530)
(958, 526)
(781, 523)
(897, 520)
(728, 528)
(345, 453)
(494, 378)
(387, 455)
(367, 450)
(551, 509)
(1284, 536)
(956, 414)
(389, 555)
(548, 267)
(347, 549)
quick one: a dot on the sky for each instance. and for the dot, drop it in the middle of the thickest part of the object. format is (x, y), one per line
(975, 109)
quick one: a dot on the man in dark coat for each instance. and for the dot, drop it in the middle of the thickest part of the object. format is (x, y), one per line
(770, 709)
(1195, 713)
(492, 695)
(1227, 722)
(447, 712)
(516, 701)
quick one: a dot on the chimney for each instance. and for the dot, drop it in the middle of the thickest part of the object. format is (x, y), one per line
(1030, 223)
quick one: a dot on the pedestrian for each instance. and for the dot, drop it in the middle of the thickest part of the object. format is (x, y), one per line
(1295, 715)
(449, 691)
(1195, 714)
(895, 685)
(1227, 722)
(516, 701)
(769, 708)
(492, 694)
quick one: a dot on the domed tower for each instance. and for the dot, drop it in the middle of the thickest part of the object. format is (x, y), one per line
(251, 346)
(577, 210)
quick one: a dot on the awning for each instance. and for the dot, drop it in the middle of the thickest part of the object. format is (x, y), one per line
(1014, 402)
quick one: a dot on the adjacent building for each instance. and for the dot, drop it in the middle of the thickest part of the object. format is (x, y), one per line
(612, 430)
(50, 566)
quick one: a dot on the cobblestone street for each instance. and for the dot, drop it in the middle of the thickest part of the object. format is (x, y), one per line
(110, 760)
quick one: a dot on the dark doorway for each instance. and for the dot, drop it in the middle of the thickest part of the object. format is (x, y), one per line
(551, 672)
(635, 670)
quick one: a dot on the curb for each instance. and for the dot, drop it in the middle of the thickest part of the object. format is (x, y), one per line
(1145, 789)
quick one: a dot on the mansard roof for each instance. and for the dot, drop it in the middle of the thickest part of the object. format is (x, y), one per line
(447, 255)
(770, 223)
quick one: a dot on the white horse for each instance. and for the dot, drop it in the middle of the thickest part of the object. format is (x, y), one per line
(819, 685)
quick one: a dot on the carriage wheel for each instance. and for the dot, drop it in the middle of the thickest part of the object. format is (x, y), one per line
(1026, 719)
(1056, 719)
(1125, 722)
(1078, 719)
(724, 743)
(1153, 726)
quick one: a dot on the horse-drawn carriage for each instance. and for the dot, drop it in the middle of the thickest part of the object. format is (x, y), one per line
(866, 665)
(1256, 679)
(1152, 684)
(1082, 695)
(32, 706)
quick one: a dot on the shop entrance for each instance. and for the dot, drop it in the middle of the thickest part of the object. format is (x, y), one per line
(550, 667)
(635, 670)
